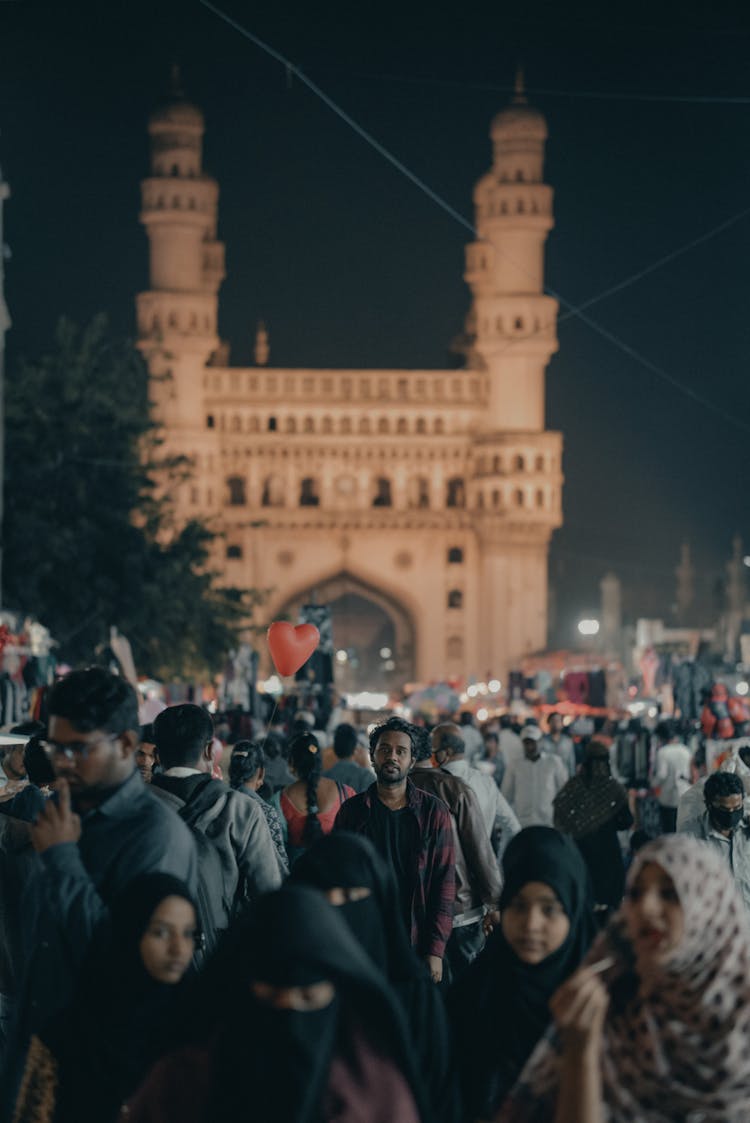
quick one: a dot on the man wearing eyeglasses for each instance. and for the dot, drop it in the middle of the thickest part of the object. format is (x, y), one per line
(101, 829)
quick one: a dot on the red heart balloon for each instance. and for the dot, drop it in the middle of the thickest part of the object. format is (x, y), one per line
(290, 647)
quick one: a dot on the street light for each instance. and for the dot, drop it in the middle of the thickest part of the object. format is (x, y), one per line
(588, 627)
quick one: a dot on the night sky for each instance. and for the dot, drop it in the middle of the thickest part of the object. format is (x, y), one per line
(350, 264)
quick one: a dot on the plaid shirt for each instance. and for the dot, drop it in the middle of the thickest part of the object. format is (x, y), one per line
(434, 863)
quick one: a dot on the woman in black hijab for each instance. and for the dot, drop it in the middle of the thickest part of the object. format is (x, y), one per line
(500, 1008)
(355, 879)
(292, 1024)
(93, 1055)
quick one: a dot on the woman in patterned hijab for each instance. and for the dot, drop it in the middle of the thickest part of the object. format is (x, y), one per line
(656, 1026)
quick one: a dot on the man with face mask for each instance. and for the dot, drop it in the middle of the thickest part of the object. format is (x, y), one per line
(592, 808)
(723, 825)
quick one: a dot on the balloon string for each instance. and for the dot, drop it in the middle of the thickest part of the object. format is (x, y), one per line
(269, 724)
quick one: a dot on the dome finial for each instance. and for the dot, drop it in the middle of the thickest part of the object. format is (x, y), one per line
(519, 97)
(262, 345)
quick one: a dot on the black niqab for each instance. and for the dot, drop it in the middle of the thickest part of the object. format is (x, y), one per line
(272, 1064)
(344, 860)
(500, 1008)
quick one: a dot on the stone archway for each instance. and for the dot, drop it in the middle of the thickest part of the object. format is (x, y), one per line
(366, 622)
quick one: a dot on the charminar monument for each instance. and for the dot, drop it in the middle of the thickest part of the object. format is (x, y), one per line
(419, 504)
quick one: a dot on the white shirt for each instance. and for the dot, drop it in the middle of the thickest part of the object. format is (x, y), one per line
(492, 803)
(672, 773)
(530, 786)
(562, 747)
(473, 741)
(511, 745)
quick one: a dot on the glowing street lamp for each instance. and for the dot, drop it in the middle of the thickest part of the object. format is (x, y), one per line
(588, 627)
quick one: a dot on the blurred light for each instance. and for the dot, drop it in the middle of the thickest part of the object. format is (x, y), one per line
(652, 711)
(341, 656)
(463, 697)
(494, 685)
(389, 665)
(589, 627)
(637, 707)
(370, 727)
(385, 653)
(482, 714)
(271, 685)
(743, 688)
(746, 560)
(472, 691)
(632, 691)
(367, 700)
(213, 706)
(482, 687)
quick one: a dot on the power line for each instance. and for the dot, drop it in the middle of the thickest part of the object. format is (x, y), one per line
(572, 310)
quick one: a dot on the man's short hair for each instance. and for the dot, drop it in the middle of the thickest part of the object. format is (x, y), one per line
(422, 750)
(397, 725)
(344, 740)
(95, 699)
(466, 717)
(721, 784)
(448, 738)
(182, 733)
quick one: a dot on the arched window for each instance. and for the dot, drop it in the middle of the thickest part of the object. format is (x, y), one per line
(382, 424)
(236, 426)
(519, 463)
(273, 492)
(175, 169)
(364, 424)
(309, 426)
(455, 493)
(291, 425)
(155, 325)
(455, 599)
(439, 426)
(496, 498)
(191, 204)
(272, 425)
(326, 425)
(401, 425)
(503, 208)
(520, 207)
(540, 463)
(540, 498)
(497, 464)
(382, 497)
(172, 319)
(455, 555)
(308, 493)
(236, 487)
(234, 552)
(454, 649)
(421, 426)
(519, 175)
(480, 500)
(209, 421)
(518, 324)
(346, 425)
(519, 497)
(402, 388)
(419, 493)
(176, 202)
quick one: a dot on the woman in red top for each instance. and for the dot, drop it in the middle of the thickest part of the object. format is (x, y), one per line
(308, 807)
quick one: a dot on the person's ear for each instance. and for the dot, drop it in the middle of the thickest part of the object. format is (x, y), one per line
(128, 742)
(206, 754)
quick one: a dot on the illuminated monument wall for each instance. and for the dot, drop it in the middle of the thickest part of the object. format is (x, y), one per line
(420, 503)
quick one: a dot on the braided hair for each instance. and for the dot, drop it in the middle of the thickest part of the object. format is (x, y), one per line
(248, 758)
(305, 755)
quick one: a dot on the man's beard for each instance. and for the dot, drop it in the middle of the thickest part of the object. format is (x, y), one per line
(391, 778)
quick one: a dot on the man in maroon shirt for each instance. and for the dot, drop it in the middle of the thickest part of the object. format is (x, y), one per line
(413, 832)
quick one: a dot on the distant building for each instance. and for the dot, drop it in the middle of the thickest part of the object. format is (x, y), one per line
(419, 503)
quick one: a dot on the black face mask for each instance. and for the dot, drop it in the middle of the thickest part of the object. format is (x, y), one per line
(726, 820)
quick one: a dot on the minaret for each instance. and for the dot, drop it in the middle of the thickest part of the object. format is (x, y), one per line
(177, 317)
(515, 324)
(262, 349)
(685, 585)
(516, 489)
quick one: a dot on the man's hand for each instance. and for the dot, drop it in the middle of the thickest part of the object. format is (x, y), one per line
(435, 967)
(56, 823)
(490, 922)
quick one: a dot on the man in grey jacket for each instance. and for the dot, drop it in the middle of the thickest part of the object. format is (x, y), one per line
(724, 827)
(232, 823)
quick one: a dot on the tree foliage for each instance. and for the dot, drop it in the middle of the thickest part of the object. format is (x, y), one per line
(88, 540)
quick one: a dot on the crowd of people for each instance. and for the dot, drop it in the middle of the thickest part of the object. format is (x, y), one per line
(400, 925)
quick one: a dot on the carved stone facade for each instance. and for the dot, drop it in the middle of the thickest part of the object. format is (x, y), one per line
(429, 494)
